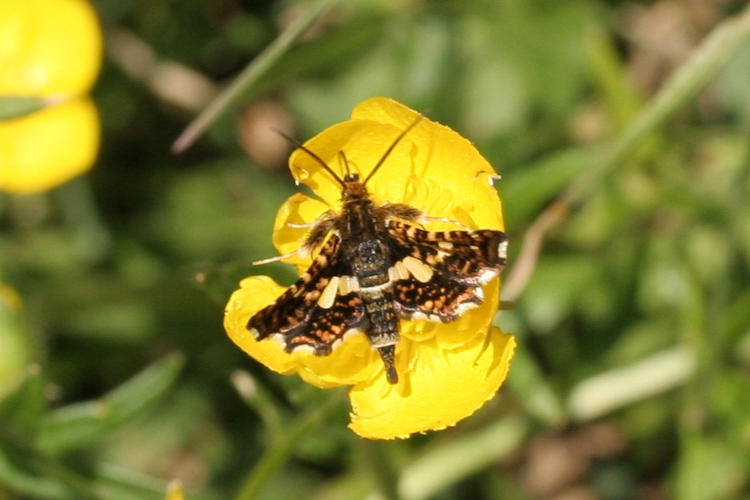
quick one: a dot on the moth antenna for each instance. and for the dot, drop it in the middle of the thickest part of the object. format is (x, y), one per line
(391, 147)
(344, 161)
(299, 145)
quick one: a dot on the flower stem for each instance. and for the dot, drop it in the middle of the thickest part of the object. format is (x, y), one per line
(250, 75)
(446, 464)
(279, 452)
(82, 216)
(380, 465)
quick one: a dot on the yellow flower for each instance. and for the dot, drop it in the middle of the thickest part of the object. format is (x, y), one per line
(447, 370)
(50, 49)
(174, 490)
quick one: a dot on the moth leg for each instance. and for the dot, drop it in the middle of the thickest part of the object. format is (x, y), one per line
(301, 226)
(325, 215)
(389, 211)
(277, 258)
(319, 231)
(429, 218)
(320, 228)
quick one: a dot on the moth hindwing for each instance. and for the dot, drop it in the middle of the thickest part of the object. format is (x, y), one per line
(376, 267)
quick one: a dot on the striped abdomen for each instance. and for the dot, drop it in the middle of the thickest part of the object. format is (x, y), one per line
(370, 266)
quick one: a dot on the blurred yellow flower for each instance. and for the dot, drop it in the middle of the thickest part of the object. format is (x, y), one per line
(447, 370)
(50, 49)
(174, 490)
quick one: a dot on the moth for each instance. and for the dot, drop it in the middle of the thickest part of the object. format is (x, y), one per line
(377, 266)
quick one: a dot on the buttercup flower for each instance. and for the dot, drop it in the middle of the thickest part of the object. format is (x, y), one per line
(446, 370)
(49, 49)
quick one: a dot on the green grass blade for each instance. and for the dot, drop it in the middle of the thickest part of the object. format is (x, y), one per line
(279, 452)
(80, 424)
(532, 389)
(250, 75)
(528, 190)
(688, 80)
(457, 459)
(31, 486)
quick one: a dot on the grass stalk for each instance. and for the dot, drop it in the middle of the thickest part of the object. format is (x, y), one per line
(250, 75)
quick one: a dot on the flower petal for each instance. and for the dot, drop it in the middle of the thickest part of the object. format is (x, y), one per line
(48, 47)
(434, 169)
(49, 147)
(444, 386)
(445, 165)
(298, 209)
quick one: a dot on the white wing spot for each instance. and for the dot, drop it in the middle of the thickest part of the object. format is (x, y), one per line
(328, 296)
(502, 249)
(348, 284)
(403, 273)
(421, 271)
(393, 274)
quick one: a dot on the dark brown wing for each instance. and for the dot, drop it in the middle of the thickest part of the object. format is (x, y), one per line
(439, 299)
(471, 257)
(326, 327)
(297, 317)
(454, 265)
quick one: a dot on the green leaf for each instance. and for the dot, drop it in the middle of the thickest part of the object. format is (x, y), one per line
(16, 351)
(17, 106)
(529, 386)
(708, 468)
(461, 457)
(718, 48)
(619, 95)
(276, 456)
(79, 424)
(252, 73)
(113, 481)
(611, 390)
(32, 486)
(526, 191)
(23, 408)
(546, 303)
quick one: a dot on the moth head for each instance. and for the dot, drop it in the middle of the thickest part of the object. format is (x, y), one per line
(353, 187)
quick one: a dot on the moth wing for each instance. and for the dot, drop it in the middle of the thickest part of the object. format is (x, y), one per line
(439, 299)
(471, 257)
(441, 273)
(312, 313)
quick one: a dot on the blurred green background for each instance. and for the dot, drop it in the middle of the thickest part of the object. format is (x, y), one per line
(632, 378)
